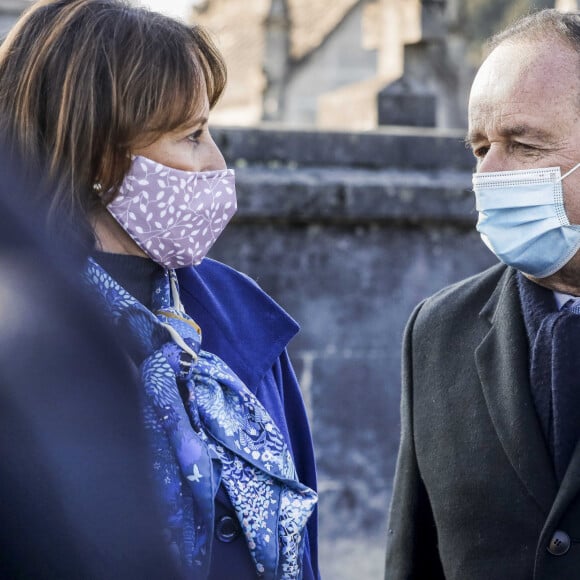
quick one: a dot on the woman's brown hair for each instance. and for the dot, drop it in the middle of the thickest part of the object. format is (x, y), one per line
(82, 81)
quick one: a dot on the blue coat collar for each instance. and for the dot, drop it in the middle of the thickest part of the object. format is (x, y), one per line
(240, 323)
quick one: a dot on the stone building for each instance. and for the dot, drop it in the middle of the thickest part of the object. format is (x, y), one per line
(311, 62)
(350, 64)
(10, 10)
(568, 4)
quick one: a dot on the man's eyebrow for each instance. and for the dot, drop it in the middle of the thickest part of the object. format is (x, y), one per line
(472, 137)
(513, 131)
(526, 131)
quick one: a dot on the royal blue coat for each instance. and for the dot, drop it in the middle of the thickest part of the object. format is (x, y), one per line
(250, 332)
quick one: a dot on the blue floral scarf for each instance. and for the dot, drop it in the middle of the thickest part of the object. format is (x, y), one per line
(222, 434)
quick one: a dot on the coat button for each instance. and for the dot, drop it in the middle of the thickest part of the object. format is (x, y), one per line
(559, 544)
(227, 529)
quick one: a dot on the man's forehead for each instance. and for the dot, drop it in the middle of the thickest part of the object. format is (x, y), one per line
(529, 66)
(523, 89)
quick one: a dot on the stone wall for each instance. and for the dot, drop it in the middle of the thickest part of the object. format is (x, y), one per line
(567, 5)
(10, 11)
(339, 61)
(349, 231)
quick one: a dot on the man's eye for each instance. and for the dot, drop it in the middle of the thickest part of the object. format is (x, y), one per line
(480, 152)
(523, 146)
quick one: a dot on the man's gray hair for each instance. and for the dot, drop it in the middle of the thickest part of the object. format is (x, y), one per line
(542, 25)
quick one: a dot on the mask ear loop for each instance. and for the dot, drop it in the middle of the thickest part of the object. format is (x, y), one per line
(571, 171)
(561, 193)
(177, 304)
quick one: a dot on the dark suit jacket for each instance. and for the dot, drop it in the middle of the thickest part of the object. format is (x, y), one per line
(475, 493)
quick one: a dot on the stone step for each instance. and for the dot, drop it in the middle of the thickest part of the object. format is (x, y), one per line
(347, 195)
(402, 148)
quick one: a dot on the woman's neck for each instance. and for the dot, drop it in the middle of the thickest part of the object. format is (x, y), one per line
(135, 274)
(111, 237)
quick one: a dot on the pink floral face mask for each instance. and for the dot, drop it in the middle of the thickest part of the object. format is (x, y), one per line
(174, 216)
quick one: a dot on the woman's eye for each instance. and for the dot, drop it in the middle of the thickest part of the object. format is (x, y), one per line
(195, 136)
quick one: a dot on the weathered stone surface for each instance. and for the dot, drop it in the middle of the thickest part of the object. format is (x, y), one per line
(338, 61)
(353, 196)
(349, 244)
(10, 11)
(396, 148)
(407, 108)
(568, 5)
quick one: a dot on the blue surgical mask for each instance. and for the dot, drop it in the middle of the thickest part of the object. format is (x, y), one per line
(522, 219)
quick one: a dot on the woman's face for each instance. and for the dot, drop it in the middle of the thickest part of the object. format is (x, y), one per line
(189, 149)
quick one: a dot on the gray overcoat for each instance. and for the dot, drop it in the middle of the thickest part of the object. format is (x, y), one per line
(475, 495)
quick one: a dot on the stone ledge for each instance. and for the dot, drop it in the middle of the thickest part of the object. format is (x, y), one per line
(14, 7)
(354, 196)
(390, 148)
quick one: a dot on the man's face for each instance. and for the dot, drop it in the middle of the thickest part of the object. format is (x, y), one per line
(524, 112)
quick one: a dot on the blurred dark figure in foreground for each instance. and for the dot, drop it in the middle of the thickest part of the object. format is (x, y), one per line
(75, 497)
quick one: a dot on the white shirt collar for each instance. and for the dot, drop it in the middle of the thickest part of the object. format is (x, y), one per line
(562, 298)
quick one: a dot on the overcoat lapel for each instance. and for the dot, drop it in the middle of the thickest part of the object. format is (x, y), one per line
(570, 486)
(502, 364)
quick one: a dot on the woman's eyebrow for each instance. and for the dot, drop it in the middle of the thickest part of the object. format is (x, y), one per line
(199, 121)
